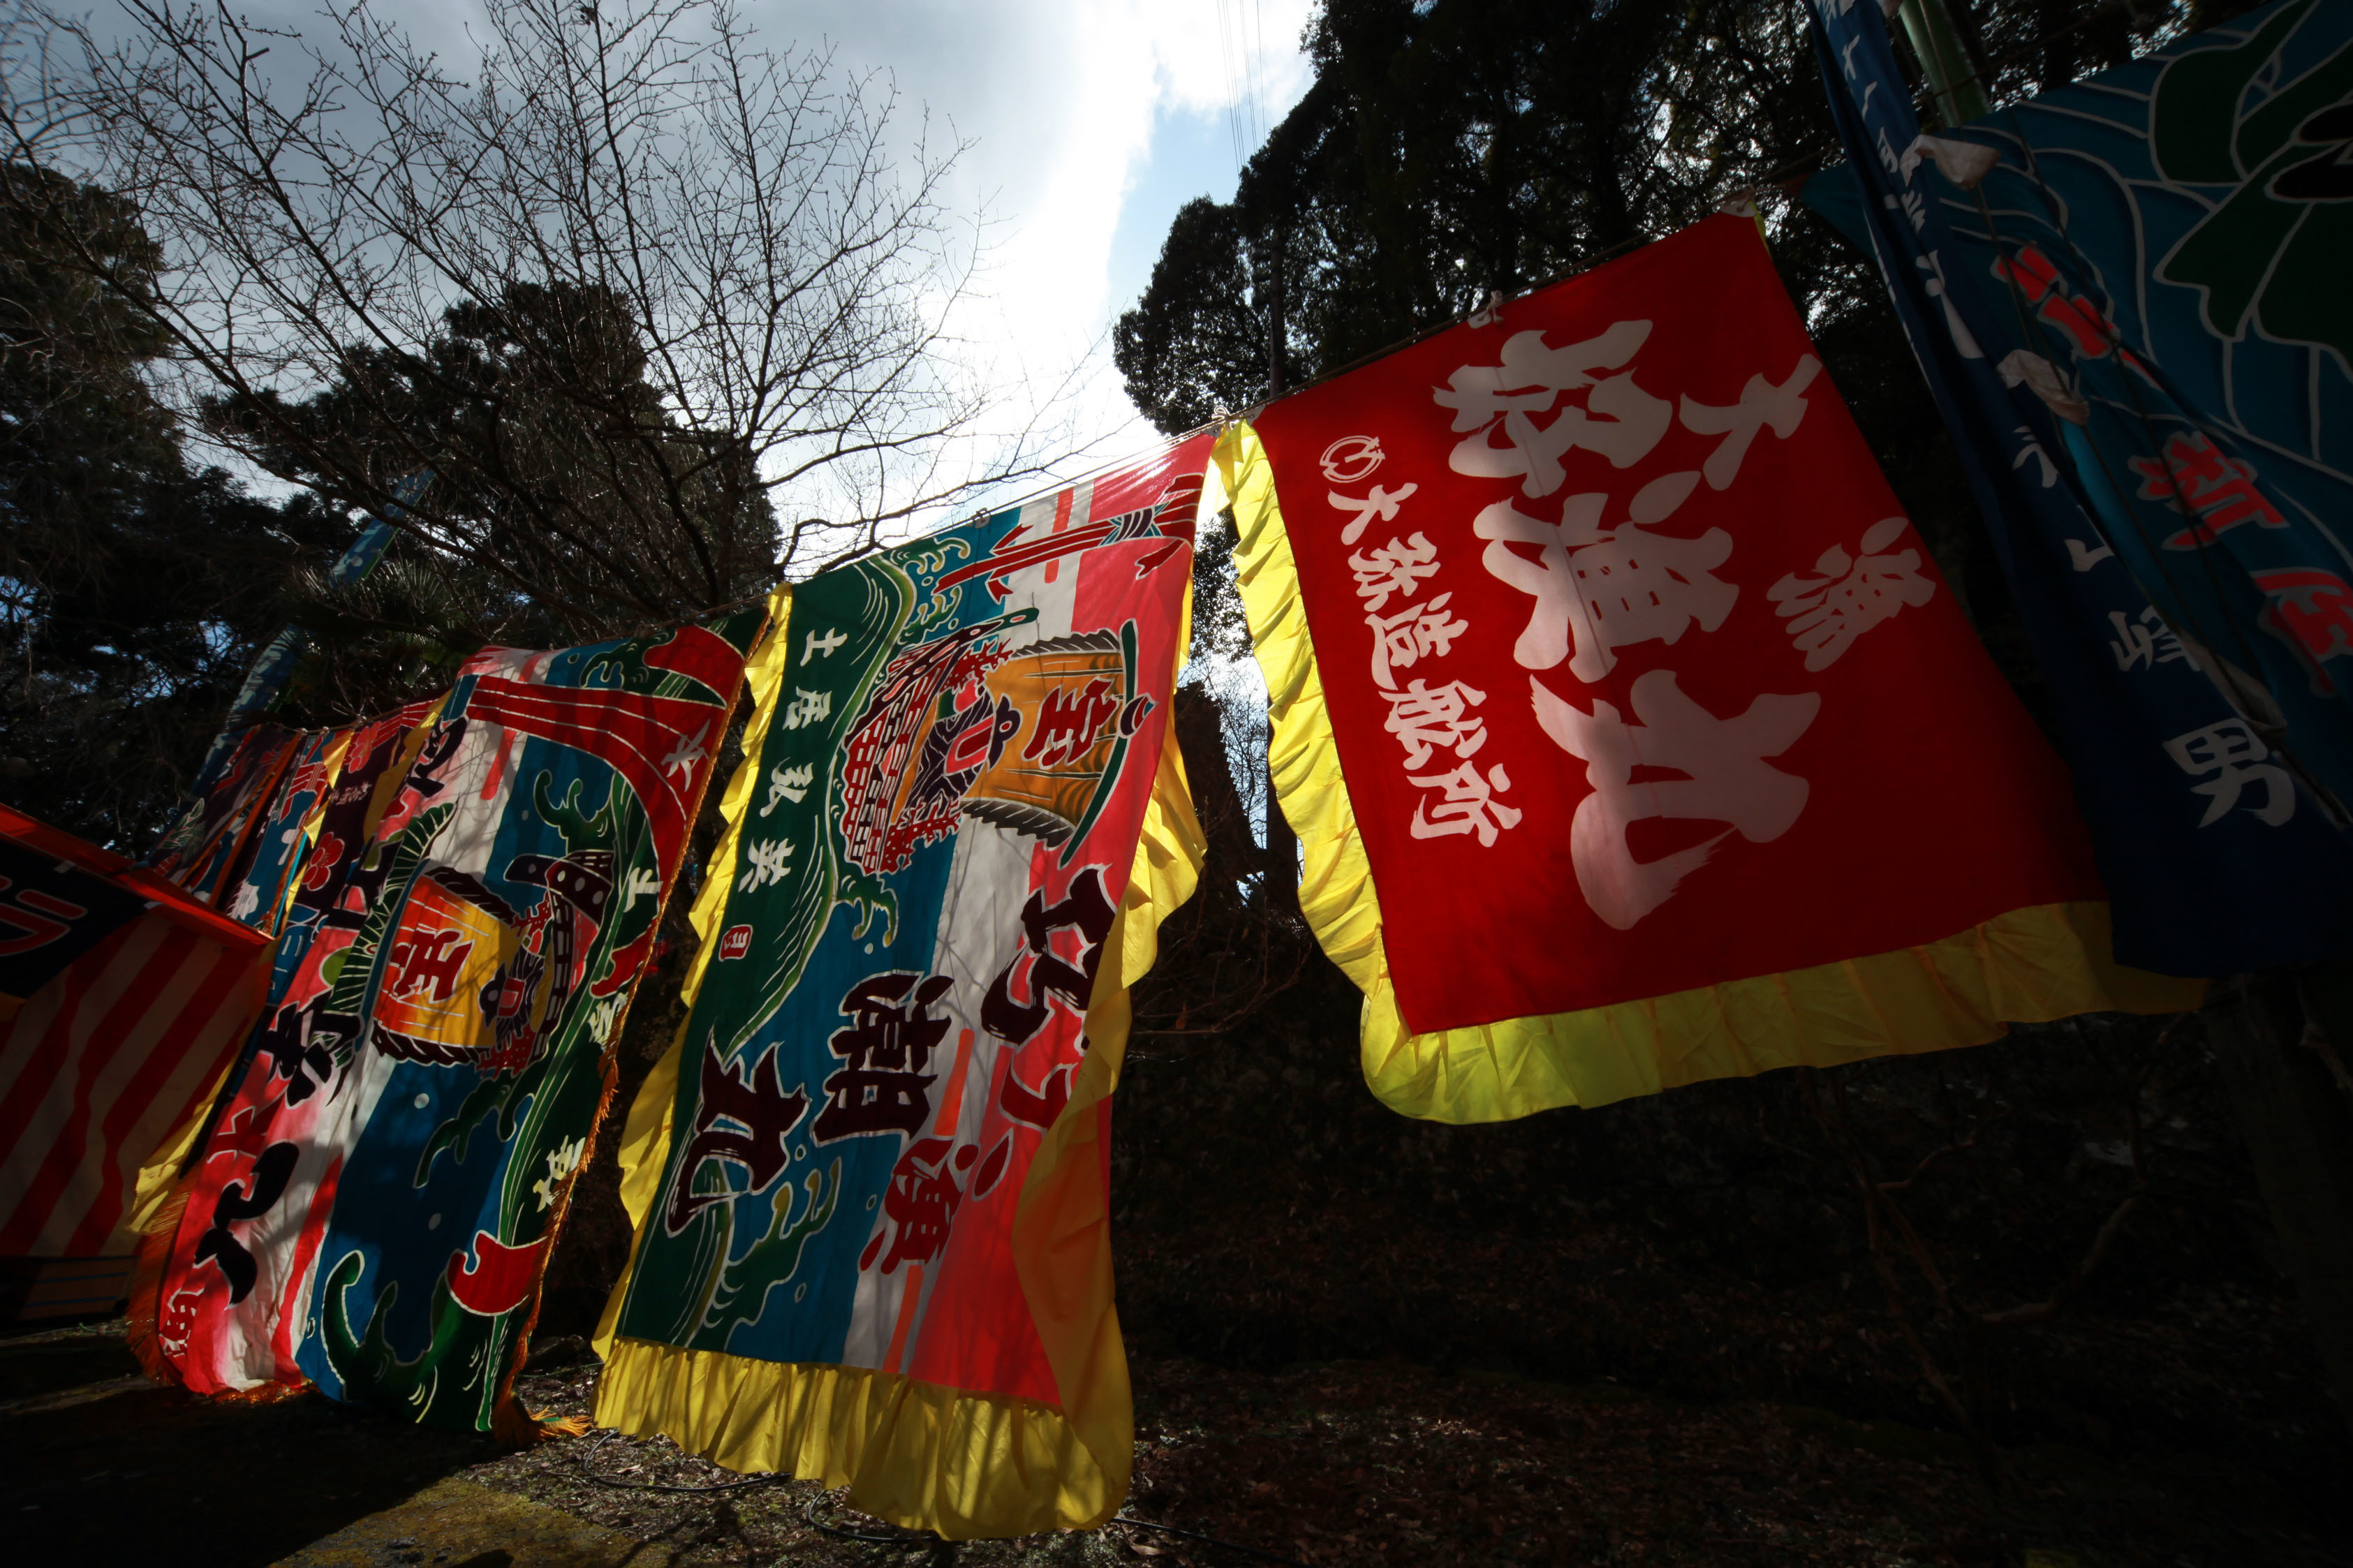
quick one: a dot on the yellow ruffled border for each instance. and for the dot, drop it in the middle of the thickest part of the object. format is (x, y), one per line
(2028, 965)
(967, 1464)
(923, 1456)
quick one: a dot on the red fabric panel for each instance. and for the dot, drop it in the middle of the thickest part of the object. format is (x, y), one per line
(1741, 724)
(229, 984)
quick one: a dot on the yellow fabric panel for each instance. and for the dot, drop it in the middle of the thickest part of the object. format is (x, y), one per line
(967, 1464)
(1168, 864)
(1061, 1253)
(153, 1188)
(1336, 880)
(645, 1135)
(1168, 856)
(2028, 965)
(920, 1456)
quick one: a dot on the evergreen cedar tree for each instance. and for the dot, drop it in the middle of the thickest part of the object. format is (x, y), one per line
(137, 586)
(554, 449)
(1448, 149)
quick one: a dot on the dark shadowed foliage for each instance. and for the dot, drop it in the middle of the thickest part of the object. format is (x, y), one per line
(137, 586)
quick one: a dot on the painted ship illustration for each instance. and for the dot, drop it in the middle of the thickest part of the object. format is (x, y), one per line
(1031, 740)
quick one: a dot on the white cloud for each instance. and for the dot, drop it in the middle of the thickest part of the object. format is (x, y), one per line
(1068, 104)
(1090, 122)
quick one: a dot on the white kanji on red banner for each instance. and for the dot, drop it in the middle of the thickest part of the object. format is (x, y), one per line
(1850, 594)
(1427, 718)
(1620, 420)
(1380, 502)
(1762, 403)
(1726, 780)
(1598, 590)
(1401, 639)
(1468, 806)
(1398, 567)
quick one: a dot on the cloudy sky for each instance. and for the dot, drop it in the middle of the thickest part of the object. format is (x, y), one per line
(1089, 122)
(1094, 120)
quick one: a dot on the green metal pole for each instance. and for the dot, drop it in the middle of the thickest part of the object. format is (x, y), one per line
(1959, 94)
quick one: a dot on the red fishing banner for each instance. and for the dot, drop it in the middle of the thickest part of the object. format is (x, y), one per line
(120, 1001)
(1638, 677)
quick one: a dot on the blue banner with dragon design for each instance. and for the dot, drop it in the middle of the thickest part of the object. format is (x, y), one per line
(2112, 429)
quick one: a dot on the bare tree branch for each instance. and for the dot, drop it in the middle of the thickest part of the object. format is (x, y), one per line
(699, 279)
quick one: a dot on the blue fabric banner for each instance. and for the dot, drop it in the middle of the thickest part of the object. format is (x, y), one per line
(2218, 854)
(2160, 233)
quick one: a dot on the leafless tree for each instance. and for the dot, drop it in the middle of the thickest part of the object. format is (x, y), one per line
(630, 288)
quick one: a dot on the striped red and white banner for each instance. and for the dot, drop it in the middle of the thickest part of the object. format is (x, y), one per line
(118, 1048)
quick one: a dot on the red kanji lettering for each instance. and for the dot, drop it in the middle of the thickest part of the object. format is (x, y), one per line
(920, 1203)
(1068, 725)
(2219, 491)
(427, 966)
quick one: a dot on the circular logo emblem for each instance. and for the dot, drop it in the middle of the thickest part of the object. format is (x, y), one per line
(1351, 458)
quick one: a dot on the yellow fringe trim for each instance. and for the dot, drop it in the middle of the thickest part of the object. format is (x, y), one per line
(965, 1464)
(2028, 965)
(920, 1456)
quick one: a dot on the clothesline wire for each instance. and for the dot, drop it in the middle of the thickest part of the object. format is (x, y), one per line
(1110, 465)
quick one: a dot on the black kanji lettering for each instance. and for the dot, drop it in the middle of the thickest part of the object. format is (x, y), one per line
(1039, 970)
(883, 1086)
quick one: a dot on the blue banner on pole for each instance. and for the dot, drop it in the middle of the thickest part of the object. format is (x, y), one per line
(2218, 854)
(277, 661)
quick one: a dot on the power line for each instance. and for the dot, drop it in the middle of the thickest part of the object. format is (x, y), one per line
(1253, 52)
(1228, 50)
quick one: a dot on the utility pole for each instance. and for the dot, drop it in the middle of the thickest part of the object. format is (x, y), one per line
(1959, 94)
(1281, 842)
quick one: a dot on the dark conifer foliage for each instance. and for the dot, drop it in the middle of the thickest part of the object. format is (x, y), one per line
(1448, 149)
(546, 441)
(136, 587)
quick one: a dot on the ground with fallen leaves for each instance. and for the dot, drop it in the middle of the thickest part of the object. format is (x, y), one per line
(1350, 1462)
(1657, 1333)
